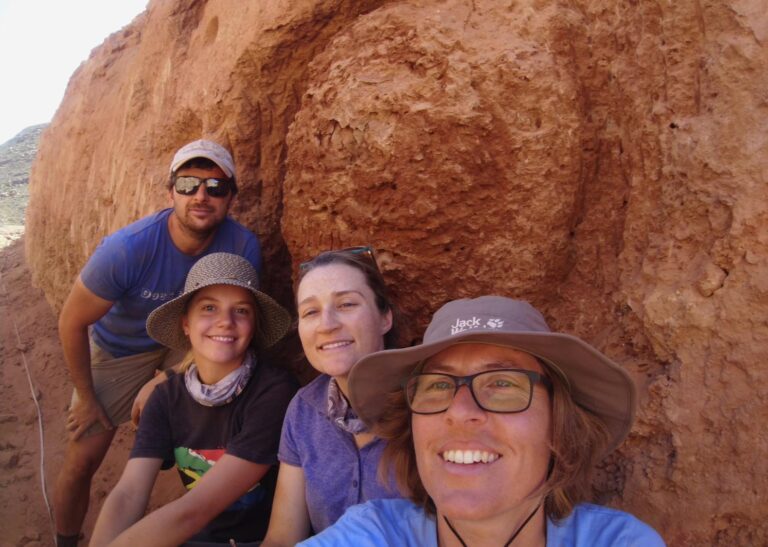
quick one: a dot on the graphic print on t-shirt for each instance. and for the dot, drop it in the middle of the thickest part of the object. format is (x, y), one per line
(193, 464)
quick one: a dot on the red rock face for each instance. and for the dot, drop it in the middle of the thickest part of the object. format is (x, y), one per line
(606, 160)
(451, 151)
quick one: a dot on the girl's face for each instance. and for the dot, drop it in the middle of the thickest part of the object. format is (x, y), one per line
(339, 322)
(220, 322)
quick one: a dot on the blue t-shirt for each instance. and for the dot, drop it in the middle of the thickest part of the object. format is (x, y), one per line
(380, 523)
(337, 475)
(139, 268)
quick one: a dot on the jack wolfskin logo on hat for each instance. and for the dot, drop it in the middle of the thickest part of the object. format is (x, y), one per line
(462, 325)
(597, 384)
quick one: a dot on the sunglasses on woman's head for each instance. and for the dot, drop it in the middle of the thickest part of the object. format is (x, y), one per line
(187, 186)
(361, 250)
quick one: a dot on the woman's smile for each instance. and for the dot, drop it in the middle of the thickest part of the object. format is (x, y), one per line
(328, 346)
(464, 454)
(339, 322)
(224, 339)
(220, 322)
(469, 457)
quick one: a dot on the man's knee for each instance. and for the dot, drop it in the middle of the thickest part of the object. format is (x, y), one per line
(79, 468)
(84, 456)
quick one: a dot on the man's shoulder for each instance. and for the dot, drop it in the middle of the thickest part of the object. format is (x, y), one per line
(119, 260)
(233, 237)
(234, 223)
(232, 226)
(143, 227)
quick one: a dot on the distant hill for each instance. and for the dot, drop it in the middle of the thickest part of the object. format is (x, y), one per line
(16, 156)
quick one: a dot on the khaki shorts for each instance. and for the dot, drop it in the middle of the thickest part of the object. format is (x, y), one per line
(117, 381)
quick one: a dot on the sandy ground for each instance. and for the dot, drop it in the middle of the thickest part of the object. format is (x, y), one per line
(29, 342)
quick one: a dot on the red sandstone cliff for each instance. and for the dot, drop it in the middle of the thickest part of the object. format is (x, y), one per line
(607, 160)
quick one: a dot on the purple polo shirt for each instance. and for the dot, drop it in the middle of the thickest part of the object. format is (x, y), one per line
(337, 475)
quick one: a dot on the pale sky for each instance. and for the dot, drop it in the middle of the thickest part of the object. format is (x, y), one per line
(42, 42)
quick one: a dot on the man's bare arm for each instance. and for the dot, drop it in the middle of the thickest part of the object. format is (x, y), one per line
(81, 309)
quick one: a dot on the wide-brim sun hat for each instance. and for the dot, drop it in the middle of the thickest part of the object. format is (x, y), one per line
(596, 383)
(273, 322)
(204, 149)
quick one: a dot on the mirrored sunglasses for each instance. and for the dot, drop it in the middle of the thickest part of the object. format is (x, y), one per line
(188, 185)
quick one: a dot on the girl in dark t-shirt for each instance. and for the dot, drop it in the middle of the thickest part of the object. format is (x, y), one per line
(218, 420)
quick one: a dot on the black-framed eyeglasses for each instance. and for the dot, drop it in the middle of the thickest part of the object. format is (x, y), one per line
(500, 390)
(364, 251)
(187, 185)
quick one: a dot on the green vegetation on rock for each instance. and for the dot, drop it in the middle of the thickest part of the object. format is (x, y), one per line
(16, 157)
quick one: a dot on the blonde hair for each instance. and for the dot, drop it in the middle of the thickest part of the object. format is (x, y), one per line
(189, 358)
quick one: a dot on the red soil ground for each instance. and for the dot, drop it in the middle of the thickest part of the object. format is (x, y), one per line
(29, 341)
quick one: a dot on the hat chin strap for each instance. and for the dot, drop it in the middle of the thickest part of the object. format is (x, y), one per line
(509, 541)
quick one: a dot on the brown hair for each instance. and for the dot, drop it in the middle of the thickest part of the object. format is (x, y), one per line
(366, 264)
(578, 441)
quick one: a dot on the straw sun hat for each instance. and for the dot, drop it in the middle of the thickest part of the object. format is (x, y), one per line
(164, 323)
(596, 383)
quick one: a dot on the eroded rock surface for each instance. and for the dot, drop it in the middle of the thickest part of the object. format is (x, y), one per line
(606, 160)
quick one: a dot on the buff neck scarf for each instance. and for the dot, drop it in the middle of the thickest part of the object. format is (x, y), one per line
(341, 413)
(223, 391)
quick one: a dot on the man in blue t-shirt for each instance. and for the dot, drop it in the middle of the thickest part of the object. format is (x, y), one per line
(102, 324)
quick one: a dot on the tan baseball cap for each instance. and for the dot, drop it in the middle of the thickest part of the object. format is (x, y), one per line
(204, 149)
(596, 383)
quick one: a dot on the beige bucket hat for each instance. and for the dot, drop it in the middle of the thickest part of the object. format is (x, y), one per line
(164, 323)
(596, 383)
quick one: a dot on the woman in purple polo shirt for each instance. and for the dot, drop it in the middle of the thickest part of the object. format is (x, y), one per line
(329, 460)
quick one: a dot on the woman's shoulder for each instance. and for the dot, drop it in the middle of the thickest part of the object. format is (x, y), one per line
(318, 385)
(315, 393)
(389, 508)
(270, 385)
(380, 522)
(309, 404)
(170, 390)
(268, 374)
(597, 526)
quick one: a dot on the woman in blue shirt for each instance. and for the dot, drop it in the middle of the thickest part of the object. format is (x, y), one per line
(494, 424)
